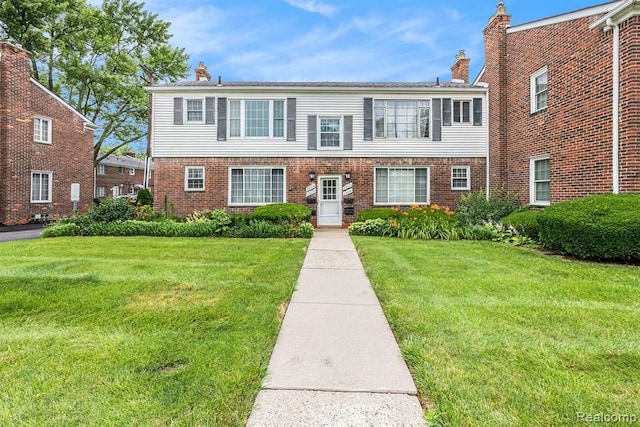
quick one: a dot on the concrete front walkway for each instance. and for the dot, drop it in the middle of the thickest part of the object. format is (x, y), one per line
(336, 361)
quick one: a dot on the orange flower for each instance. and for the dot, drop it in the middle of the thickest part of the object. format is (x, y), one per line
(405, 213)
(435, 207)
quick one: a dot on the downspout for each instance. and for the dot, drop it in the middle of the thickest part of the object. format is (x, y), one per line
(616, 104)
(487, 136)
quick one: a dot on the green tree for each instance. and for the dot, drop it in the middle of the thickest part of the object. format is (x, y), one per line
(97, 59)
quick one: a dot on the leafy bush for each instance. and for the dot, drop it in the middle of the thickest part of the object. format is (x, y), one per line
(260, 228)
(525, 223)
(371, 227)
(605, 227)
(283, 213)
(146, 213)
(112, 209)
(156, 228)
(145, 198)
(384, 213)
(240, 219)
(474, 208)
(61, 229)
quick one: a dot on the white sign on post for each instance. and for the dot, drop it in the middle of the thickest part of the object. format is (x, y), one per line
(75, 192)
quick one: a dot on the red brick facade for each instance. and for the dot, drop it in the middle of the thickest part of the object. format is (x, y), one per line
(170, 179)
(118, 174)
(69, 156)
(576, 128)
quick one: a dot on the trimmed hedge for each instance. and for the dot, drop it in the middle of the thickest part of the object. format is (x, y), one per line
(375, 213)
(525, 223)
(603, 227)
(283, 212)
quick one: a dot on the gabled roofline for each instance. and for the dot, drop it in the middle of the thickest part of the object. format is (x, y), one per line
(621, 13)
(477, 81)
(87, 123)
(570, 16)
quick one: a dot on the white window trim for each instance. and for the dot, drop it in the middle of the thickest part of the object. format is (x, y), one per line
(49, 190)
(453, 112)
(271, 119)
(417, 100)
(532, 181)
(186, 179)
(532, 90)
(375, 184)
(132, 171)
(101, 191)
(186, 112)
(49, 129)
(284, 184)
(101, 169)
(341, 133)
(468, 186)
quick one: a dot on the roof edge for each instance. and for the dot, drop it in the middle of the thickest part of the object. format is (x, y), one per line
(88, 123)
(569, 16)
(619, 14)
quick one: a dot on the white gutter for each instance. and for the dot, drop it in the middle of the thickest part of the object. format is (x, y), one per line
(616, 108)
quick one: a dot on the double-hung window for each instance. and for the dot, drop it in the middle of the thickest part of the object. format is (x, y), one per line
(256, 185)
(402, 119)
(256, 118)
(401, 185)
(194, 178)
(42, 130)
(330, 131)
(194, 111)
(462, 111)
(102, 169)
(460, 178)
(539, 90)
(540, 181)
(41, 186)
(101, 191)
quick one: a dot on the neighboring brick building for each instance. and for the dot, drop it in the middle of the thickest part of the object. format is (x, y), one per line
(118, 175)
(45, 146)
(564, 102)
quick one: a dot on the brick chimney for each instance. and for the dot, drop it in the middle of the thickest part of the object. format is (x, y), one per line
(460, 69)
(201, 73)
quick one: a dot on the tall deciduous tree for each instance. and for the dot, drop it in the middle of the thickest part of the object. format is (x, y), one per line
(97, 59)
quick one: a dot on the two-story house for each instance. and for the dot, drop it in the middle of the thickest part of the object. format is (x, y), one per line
(118, 175)
(564, 102)
(339, 147)
(45, 147)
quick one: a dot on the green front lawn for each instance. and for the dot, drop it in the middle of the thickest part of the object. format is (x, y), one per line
(497, 335)
(139, 331)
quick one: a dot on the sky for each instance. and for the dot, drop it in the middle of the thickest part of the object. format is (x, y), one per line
(339, 40)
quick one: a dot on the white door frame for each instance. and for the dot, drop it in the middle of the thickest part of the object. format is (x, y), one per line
(330, 211)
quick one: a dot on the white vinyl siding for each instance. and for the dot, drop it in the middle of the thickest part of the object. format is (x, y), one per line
(255, 186)
(539, 90)
(200, 140)
(194, 178)
(401, 186)
(460, 178)
(42, 130)
(540, 181)
(41, 186)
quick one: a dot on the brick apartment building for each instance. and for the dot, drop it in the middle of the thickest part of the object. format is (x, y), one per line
(45, 146)
(564, 102)
(120, 175)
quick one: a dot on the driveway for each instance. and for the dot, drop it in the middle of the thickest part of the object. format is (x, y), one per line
(20, 233)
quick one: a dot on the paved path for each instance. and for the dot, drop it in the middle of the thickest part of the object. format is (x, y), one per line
(336, 361)
(17, 233)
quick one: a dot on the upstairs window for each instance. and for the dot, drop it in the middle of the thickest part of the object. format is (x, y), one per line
(539, 90)
(256, 118)
(102, 169)
(402, 119)
(330, 131)
(194, 111)
(132, 171)
(462, 111)
(121, 170)
(42, 130)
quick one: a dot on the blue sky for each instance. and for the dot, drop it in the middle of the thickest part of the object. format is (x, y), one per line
(339, 40)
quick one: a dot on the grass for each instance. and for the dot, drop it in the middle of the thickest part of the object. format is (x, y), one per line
(139, 331)
(499, 336)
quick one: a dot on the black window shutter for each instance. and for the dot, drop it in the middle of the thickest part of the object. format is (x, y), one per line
(291, 119)
(437, 119)
(312, 135)
(477, 111)
(368, 119)
(209, 110)
(446, 111)
(177, 111)
(222, 119)
(348, 133)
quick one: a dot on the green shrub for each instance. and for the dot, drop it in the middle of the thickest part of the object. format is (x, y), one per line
(283, 213)
(604, 227)
(144, 198)
(375, 213)
(371, 227)
(474, 208)
(59, 230)
(304, 231)
(525, 223)
(240, 219)
(112, 209)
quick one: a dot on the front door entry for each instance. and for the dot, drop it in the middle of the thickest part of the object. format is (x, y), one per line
(330, 201)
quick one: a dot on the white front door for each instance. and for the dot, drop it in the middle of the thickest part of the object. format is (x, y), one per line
(330, 200)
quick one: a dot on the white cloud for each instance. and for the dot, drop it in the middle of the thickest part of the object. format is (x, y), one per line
(313, 6)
